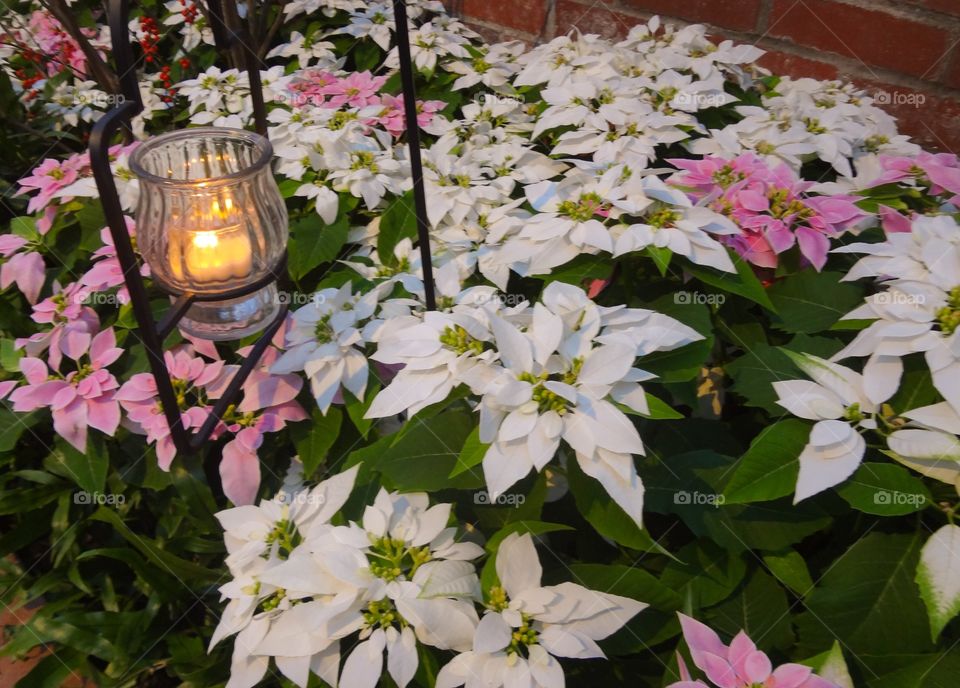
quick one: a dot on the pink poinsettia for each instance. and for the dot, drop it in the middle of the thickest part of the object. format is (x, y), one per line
(939, 171)
(359, 89)
(267, 405)
(67, 311)
(106, 271)
(392, 116)
(50, 36)
(82, 398)
(309, 88)
(48, 178)
(739, 665)
(26, 269)
(138, 397)
(771, 206)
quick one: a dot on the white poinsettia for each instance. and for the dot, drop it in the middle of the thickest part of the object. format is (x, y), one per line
(919, 311)
(262, 541)
(421, 587)
(269, 528)
(676, 224)
(527, 626)
(929, 443)
(324, 340)
(572, 218)
(836, 399)
(438, 351)
(556, 383)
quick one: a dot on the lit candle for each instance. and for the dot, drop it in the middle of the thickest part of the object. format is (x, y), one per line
(218, 256)
(215, 247)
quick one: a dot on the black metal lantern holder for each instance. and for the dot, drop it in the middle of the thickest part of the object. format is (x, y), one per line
(227, 36)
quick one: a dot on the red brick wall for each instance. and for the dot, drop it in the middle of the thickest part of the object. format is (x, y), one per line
(905, 51)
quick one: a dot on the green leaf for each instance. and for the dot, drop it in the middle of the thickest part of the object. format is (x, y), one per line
(938, 577)
(398, 222)
(811, 301)
(187, 572)
(579, 271)
(704, 573)
(25, 227)
(312, 244)
(43, 629)
(357, 408)
(521, 527)
(868, 598)
(831, 666)
(627, 581)
(10, 356)
(13, 425)
(885, 489)
(659, 409)
(471, 455)
(424, 456)
(314, 439)
(761, 609)
(761, 365)
(661, 258)
(744, 283)
(87, 469)
(603, 514)
(770, 467)
(791, 570)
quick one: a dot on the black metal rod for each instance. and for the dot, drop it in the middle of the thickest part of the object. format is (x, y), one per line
(100, 138)
(226, 37)
(413, 142)
(173, 316)
(232, 392)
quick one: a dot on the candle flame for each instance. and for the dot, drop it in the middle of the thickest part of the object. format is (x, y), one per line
(205, 240)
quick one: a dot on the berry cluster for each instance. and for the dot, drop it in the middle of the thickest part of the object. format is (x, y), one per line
(150, 38)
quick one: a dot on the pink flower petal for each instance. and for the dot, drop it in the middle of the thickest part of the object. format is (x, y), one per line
(70, 422)
(240, 473)
(104, 415)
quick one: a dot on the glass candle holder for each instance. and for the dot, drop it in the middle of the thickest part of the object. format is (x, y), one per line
(211, 220)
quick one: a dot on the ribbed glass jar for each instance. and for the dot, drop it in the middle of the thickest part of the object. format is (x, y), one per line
(211, 219)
